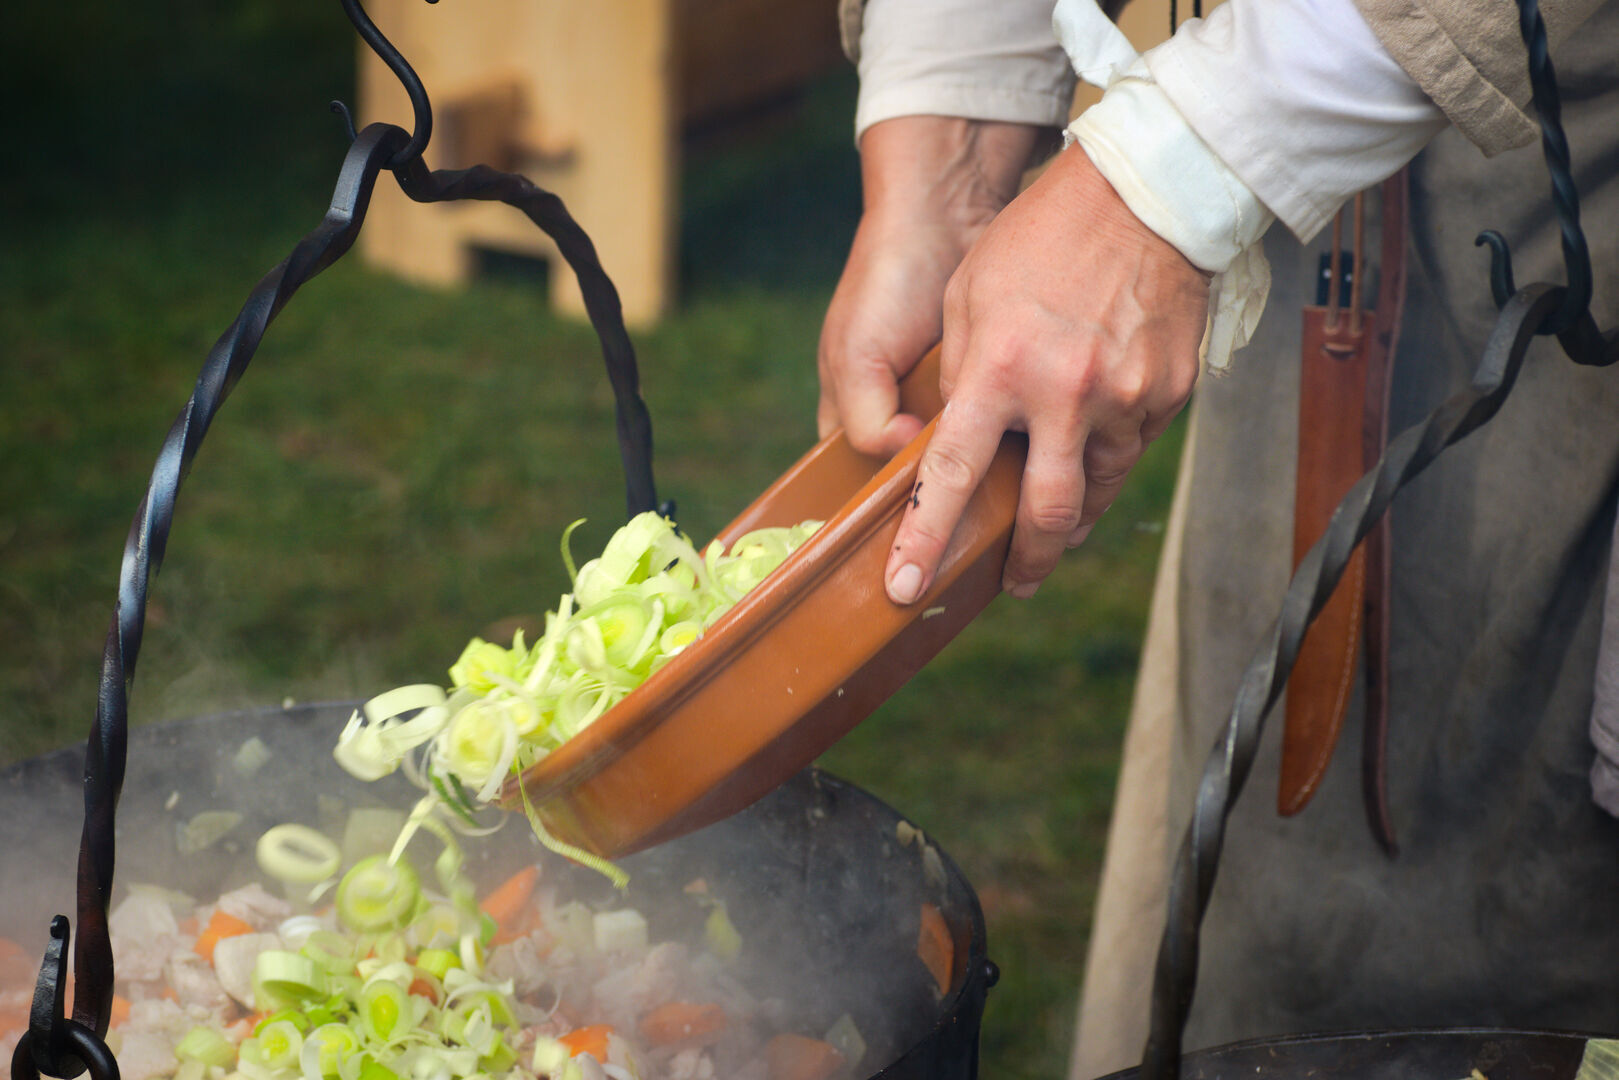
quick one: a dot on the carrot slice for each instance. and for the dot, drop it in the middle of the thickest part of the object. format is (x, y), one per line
(590, 1040)
(222, 925)
(936, 947)
(683, 1022)
(799, 1057)
(509, 905)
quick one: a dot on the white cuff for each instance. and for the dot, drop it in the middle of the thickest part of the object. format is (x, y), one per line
(1299, 98)
(1169, 177)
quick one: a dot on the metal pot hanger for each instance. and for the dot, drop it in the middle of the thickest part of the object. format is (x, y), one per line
(65, 1046)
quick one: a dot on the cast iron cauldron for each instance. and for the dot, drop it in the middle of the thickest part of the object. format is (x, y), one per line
(815, 876)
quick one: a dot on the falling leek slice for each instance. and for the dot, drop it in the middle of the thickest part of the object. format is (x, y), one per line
(297, 854)
(378, 895)
(646, 598)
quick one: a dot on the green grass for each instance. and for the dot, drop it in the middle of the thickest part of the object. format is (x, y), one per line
(395, 469)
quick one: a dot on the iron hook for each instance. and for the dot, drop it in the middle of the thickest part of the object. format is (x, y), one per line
(53, 1044)
(339, 109)
(407, 75)
(1501, 285)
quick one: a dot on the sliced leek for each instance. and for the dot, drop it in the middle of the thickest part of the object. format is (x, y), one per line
(646, 598)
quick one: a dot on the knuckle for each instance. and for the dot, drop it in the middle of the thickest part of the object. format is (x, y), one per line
(1052, 518)
(1130, 387)
(948, 467)
(1108, 478)
(1110, 464)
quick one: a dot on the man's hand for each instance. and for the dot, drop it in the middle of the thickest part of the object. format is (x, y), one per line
(1073, 322)
(932, 184)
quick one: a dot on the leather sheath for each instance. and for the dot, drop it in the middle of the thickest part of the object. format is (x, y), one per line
(1343, 425)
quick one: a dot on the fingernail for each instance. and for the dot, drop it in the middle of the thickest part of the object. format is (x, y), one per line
(1024, 590)
(906, 584)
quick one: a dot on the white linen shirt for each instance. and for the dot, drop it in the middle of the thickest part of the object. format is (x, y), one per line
(1266, 107)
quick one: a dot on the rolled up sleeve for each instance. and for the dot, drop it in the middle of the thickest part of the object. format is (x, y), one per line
(994, 61)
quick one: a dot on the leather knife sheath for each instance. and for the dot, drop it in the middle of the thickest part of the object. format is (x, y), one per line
(1343, 426)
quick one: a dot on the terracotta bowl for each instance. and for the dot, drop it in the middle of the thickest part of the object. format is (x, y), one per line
(788, 671)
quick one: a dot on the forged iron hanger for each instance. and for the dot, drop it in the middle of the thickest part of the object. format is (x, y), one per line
(62, 1046)
(1538, 309)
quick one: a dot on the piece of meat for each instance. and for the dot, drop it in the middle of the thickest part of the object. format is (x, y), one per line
(234, 958)
(142, 915)
(253, 905)
(159, 1015)
(523, 962)
(142, 960)
(690, 1064)
(144, 934)
(194, 982)
(145, 1055)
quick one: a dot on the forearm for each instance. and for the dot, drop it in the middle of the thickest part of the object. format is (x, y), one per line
(943, 170)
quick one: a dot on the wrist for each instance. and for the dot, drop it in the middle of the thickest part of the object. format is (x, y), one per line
(1167, 175)
(942, 171)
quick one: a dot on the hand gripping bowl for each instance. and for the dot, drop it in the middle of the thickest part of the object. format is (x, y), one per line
(826, 896)
(796, 664)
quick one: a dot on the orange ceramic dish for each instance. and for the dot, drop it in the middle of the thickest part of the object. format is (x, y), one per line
(795, 664)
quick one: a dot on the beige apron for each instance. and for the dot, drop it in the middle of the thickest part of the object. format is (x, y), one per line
(1501, 908)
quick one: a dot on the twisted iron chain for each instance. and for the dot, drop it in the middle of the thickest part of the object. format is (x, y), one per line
(1554, 144)
(1263, 681)
(1537, 309)
(65, 1047)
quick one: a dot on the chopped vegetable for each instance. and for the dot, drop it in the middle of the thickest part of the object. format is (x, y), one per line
(720, 934)
(683, 1022)
(378, 894)
(284, 979)
(798, 1057)
(590, 1040)
(206, 1045)
(620, 931)
(844, 1035)
(205, 830)
(404, 990)
(936, 947)
(645, 599)
(251, 756)
(221, 925)
(297, 854)
(509, 905)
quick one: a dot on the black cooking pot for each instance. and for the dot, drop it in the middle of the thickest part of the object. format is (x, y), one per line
(825, 891)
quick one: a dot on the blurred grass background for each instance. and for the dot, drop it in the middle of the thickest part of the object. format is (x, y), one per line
(395, 469)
